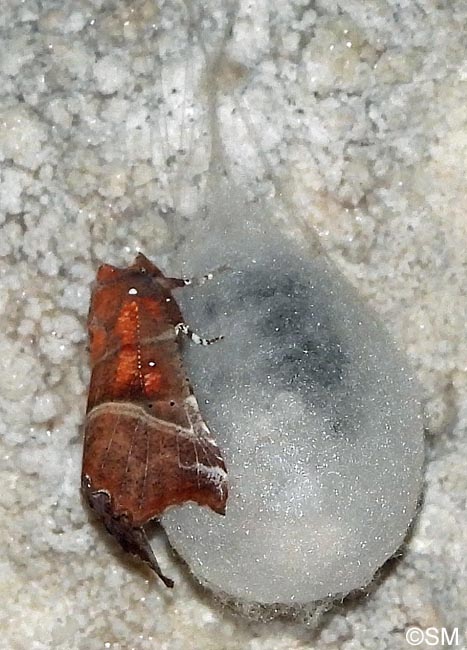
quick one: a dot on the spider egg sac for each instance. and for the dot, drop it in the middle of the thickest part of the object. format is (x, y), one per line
(316, 413)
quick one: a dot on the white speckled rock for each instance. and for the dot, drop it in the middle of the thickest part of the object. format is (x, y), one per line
(317, 416)
(373, 156)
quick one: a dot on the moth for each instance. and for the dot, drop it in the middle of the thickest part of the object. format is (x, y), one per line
(146, 445)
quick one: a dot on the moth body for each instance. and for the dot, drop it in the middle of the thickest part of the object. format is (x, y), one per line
(146, 445)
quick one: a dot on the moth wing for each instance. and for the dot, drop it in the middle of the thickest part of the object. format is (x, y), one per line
(147, 464)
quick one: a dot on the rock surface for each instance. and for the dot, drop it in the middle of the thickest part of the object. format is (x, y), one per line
(356, 114)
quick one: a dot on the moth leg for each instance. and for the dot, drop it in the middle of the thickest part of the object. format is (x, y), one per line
(183, 327)
(171, 283)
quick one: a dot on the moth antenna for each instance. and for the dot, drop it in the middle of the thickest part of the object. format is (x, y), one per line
(199, 340)
(198, 282)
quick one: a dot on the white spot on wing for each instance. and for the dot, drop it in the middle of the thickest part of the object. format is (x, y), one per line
(191, 401)
(217, 475)
(133, 291)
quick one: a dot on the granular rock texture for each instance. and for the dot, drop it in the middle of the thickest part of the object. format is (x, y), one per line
(349, 120)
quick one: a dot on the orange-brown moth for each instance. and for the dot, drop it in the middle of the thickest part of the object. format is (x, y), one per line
(146, 445)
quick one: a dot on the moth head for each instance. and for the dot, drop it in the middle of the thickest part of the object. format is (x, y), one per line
(144, 266)
(141, 266)
(107, 273)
